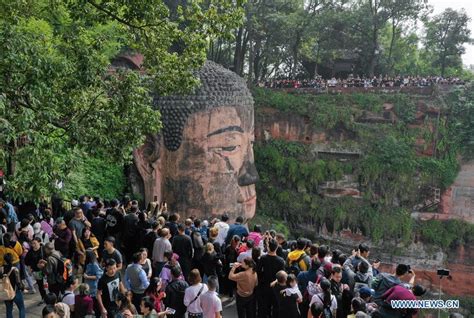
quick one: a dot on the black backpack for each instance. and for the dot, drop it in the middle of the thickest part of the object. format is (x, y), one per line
(327, 313)
(294, 266)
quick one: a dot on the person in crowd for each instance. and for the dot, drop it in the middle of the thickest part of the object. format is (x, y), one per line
(13, 274)
(114, 220)
(130, 233)
(222, 227)
(340, 291)
(230, 256)
(237, 229)
(98, 226)
(199, 243)
(51, 268)
(110, 252)
(278, 286)
(268, 266)
(246, 282)
(39, 233)
(78, 224)
(32, 259)
(86, 242)
(192, 295)
(62, 237)
(135, 279)
(47, 223)
(161, 245)
(283, 248)
(210, 301)
(183, 246)
(298, 260)
(145, 262)
(84, 304)
(359, 308)
(385, 281)
(150, 237)
(172, 224)
(155, 292)
(123, 302)
(188, 227)
(49, 312)
(324, 300)
(211, 263)
(68, 296)
(10, 246)
(171, 261)
(256, 236)
(289, 298)
(92, 273)
(108, 288)
(175, 292)
(400, 292)
(148, 310)
(245, 250)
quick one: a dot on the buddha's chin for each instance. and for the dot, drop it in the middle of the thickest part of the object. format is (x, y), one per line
(249, 208)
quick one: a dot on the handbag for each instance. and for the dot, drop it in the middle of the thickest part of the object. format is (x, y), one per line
(7, 292)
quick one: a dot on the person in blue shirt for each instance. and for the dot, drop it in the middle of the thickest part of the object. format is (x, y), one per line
(237, 229)
(136, 280)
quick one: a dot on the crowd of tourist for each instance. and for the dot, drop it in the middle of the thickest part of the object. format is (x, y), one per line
(364, 82)
(110, 259)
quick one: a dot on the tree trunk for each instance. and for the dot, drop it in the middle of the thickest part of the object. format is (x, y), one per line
(392, 44)
(238, 52)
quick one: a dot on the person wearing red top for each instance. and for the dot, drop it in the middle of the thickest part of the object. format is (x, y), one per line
(154, 291)
(400, 292)
(84, 305)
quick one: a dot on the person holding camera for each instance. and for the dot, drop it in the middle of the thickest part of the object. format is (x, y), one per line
(384, 281)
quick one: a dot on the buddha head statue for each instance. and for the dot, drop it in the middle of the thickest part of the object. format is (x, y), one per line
(203, 162)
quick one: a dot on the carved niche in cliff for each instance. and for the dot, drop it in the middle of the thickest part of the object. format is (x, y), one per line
(203, 163)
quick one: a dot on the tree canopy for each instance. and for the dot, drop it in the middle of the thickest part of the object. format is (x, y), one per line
(304, 39)
(60, 101)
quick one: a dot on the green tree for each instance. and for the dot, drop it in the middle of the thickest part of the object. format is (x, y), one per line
(446, 34)
(59, 99)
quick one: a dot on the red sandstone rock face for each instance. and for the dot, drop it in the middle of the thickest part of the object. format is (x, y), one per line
(458, 200)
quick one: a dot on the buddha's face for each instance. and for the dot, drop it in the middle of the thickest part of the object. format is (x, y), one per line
(213, 171)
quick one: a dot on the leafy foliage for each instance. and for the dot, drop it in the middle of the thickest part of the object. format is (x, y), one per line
(392, 176)
(59, 97)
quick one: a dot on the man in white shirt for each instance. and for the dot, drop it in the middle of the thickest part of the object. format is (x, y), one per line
(223, 228)
(210, 303)
(161, 245)
(68, 297)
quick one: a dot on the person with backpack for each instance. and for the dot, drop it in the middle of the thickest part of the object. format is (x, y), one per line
(192, 295)
(68, 296)
(175, 292)
(324, 300)
(51, 268)
(298, 260)
(13, 275)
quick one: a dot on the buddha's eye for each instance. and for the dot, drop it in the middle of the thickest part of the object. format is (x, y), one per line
(228, 150)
